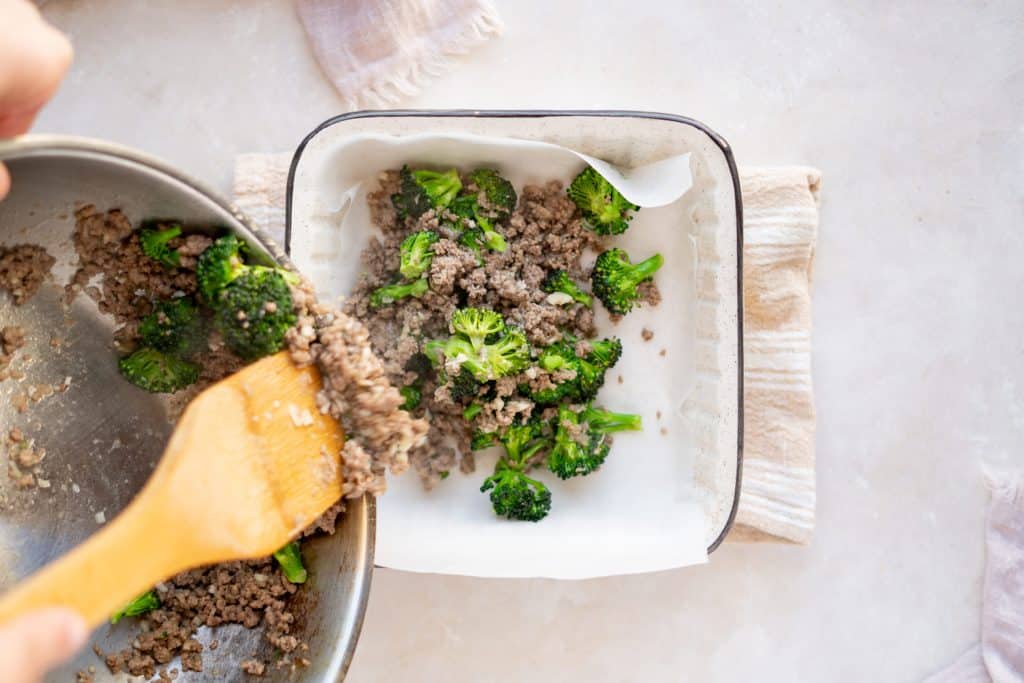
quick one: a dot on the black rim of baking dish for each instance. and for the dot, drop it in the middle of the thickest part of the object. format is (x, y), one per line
(544, 113)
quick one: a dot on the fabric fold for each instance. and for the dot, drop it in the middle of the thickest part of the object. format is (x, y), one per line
(377, 53)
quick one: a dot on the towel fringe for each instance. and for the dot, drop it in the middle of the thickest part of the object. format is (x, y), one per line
(425, 63)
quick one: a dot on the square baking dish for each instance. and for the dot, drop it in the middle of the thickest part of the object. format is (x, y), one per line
(713, 411)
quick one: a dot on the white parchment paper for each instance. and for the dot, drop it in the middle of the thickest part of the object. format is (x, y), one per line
(641, 511)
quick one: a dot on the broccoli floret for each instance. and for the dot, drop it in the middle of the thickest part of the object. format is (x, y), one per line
(174, 326)
(559, 356)
(575, 451)
(158, 372)
(254, 312)
(422, 190)
(605, 421)
(497, 357)
(417, 253)
(154, 245)
(580, 444)
(614, 279)
(589, 380)
(413, 395)
(604, 209)
(513, 494)
(604, 353)
(590, 370)
(290, 559)
(491, 238)
(482, 440)
(222, 263)
(477, 324)
(509, 354)
(476, 227)
(147, 602)
(389, 294)
(500, 193)
(464, 386)
(471, 411)
(219, 264)
(559, 281)
(473, 239)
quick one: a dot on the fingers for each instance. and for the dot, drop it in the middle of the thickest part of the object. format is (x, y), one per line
(34, 57)
(33, 644)
(5, 181)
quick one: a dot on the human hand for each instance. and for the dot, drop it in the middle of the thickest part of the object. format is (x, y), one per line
(33, 644)
(33, 59)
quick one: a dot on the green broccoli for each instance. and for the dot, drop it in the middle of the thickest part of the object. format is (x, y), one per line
(290, 559)
(222, 263)
(158, 372)
(413, 395)
(219, 264)
(558, 356)
(590, 370)
(509, 354)
(559, 281)
(575, 451)
(500, 194)
(513, 494)
(604, 353)
(464, 385)
(473, 239)
(389, 294)
(489, 237)
(482, 440)
(478, 325)
(417, 253)
(254, 312)
(477, 228)
(175, 326)
(422, 190)
(614, 279)
(604, 209)
(471, 411)
(147, 602)
(605, 422)
(154, 244)
(502, 354)
(581, 444)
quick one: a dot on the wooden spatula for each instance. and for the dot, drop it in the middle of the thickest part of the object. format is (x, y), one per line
(251, 463)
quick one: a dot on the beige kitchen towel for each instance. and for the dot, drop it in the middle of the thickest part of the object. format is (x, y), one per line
(378, 52)
(780, 227)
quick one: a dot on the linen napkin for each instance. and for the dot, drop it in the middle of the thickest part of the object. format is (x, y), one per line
(780, 227)
(999, 657)
(377, 52)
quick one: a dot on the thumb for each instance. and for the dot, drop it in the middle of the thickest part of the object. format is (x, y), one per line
(33, 644)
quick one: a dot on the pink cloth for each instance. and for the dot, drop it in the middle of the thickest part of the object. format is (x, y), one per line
(999, 657)
(378, 52)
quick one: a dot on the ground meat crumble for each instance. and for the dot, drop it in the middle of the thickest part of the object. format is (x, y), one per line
(23, 269)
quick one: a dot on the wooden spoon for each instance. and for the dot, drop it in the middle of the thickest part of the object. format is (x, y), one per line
(251, 463)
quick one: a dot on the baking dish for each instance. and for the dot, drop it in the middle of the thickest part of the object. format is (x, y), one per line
(714, 409)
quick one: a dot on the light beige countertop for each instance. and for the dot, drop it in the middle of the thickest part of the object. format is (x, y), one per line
(913, 111)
